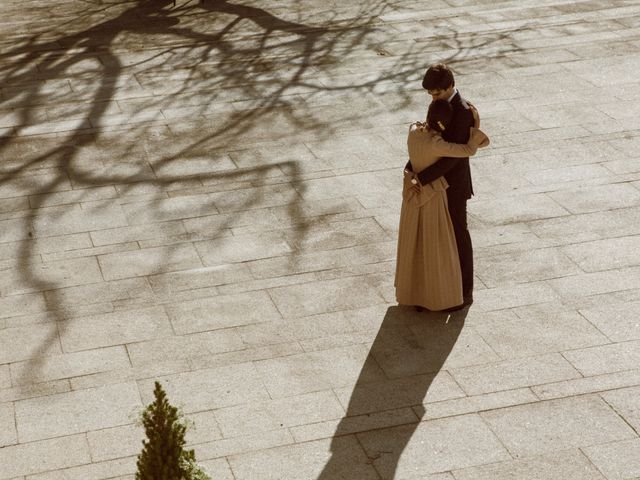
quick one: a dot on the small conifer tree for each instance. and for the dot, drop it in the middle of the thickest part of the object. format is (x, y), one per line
(163, 456)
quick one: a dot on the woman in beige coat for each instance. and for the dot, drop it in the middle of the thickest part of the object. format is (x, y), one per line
(427, 268)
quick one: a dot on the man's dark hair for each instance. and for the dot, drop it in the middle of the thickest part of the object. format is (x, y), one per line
(439, 115)
(438, 77)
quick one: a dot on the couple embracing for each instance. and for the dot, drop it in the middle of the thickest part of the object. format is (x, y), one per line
(434, 267)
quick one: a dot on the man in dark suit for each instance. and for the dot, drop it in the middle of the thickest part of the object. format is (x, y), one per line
(440, 84)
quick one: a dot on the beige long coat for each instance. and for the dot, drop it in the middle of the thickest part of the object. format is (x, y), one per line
(427, 268)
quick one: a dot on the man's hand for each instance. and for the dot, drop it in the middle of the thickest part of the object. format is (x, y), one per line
(415, 183)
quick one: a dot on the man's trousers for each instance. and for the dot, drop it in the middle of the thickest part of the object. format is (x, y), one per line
(458, 213)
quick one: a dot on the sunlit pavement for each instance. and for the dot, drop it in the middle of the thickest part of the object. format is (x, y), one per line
(207, 194)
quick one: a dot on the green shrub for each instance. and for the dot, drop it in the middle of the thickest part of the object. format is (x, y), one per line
(163, 456)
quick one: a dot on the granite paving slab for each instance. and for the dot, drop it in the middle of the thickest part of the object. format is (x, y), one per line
(616, 460)
(432, 447)
(306, 460)
(553, 425)
(567, 464)
(208, 194)
(76, 412)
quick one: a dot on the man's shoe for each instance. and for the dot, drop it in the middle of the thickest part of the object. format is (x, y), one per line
(467, 300)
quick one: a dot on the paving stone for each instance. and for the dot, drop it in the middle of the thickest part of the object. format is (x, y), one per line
(32, 391)
(240, 223)
(260, 334)
(64, 273)
(44, 245)
(203, 427)
(581, 386)
(149, 261)
(539, 264)
(232, 446)
(588, 226)
(369, 191)
(135, 233)
(69, 365)
(230, 310)
(5, 376)
(516, 373)
(336, 235)
(432, 447)
(218, 469)
(547, 427)
(474, 404)
(568, 464)
(34, 457)
(319, 297)
(322, 260)
(8, 435)
(246, 355)
(619, 323)
(117, 328)
(297, 374)
(429, 347)
(90, 252)
(212, 388)
(587, 284)
(93, 216)
(116, 442)
(22, 343)
(606, 358)
(242, 248)
(568, 174)
(167, 209)
(531, 207)
(15, 305)
(152, 370)
(185, 346)
(100, 292)
(354, 424)
(72, 196)
(76, 412)
(93, 471)
(288, 412)
(367, 397)
(595, 198)
(532, 335)
(625, 402)
(616, 460)
(307, 460)
(199, 278)
(605, 254)
(514, 296)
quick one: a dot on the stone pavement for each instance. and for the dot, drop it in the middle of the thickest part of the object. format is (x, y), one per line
(208, 194)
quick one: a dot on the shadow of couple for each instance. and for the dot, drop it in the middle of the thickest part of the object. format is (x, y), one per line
(386, 405)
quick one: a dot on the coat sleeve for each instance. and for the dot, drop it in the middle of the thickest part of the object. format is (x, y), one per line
(443, 148)
(462, 122)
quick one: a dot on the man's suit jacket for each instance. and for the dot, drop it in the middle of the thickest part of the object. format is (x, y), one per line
(455, 170)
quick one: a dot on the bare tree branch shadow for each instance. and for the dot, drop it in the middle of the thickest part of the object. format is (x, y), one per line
(53, 59)
(267, 62)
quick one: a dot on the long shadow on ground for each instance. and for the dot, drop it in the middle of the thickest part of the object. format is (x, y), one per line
(407, 354)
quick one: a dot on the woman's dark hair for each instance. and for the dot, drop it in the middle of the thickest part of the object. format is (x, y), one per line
(439, 115)
(438, 77)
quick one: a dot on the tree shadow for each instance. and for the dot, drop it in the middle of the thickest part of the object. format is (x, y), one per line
(409, 352)
(154, 57)
(92, 62)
